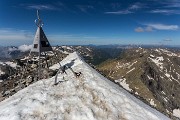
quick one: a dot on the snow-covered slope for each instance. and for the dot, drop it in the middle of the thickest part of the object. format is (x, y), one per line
(89, 97)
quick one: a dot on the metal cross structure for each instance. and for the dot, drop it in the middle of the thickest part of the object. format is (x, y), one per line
(40, 43)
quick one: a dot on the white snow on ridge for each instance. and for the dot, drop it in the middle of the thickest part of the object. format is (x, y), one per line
(68, 48)
(152, 102)
(123, 83)
(2, 63)
(11, 64)
(90, 97)
(125, 65)
(152, 56)
(157, 50)
(167, 75)
(1, 72)
(157, 61)
(169, 53)
(150, 77)
(89, 49)
(176, 112)
(130, 70)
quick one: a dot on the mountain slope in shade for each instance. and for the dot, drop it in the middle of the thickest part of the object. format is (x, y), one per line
(89, 97)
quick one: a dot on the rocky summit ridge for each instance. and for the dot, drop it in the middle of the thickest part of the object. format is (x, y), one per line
(87, 97)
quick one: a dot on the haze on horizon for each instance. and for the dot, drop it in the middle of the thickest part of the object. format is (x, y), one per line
(99, 22)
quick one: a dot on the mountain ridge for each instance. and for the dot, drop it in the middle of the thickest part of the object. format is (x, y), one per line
(152, 74)
(89, 97)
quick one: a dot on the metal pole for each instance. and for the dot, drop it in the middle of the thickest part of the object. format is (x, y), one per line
(39, 69)
(46, 60)
(39, 66)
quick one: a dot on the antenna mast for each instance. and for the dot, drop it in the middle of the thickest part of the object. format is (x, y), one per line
(38, 21)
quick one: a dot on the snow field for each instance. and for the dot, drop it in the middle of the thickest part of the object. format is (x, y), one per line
(90, 97)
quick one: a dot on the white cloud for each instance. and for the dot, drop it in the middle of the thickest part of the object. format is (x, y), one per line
(129, 10)
(137, 6)
(25, 48)
(145, 29)
(149, 29)
(134, 7)
(85, 8)
(165, 11)
(172, 4)
(12, 49)
(40, 6)
(139, 29)
(22, 48)
(152, 27)
(120, 12)
(163, 27)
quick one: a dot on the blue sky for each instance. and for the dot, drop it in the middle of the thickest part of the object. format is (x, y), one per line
(82, 22)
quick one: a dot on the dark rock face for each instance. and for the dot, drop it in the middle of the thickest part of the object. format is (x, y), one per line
(162, 88)
(8, 71)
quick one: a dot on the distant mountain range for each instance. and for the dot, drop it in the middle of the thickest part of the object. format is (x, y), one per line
(11, 52)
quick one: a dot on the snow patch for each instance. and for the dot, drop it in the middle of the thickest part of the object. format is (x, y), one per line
(130, 70)
(178, 75)
(163, 92)
(176, 112)
(2, 63)
(123, 83)
(158, 61)
(68, 48)
(65, 52)
(152, 56)
(167, 75)
(125, 65)
(150, 77)
(152, 102)
(1, 72)
(88, 49)
(169, 53)
(11, 64)
(157, 51)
